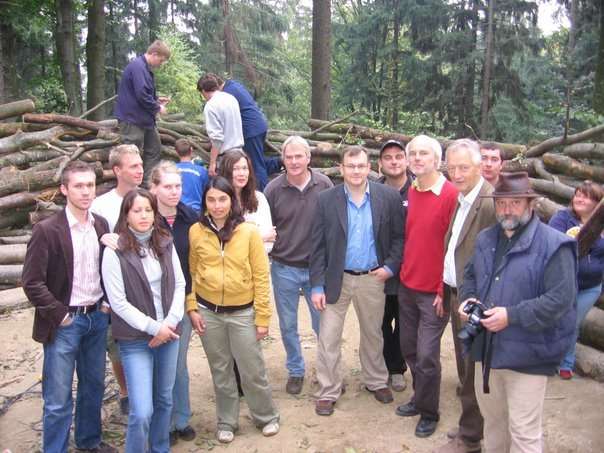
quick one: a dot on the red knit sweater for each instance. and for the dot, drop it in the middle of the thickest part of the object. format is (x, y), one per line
(428, 217)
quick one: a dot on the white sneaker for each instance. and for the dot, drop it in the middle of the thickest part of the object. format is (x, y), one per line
(271, 429)
(398, 382)
(226, 437)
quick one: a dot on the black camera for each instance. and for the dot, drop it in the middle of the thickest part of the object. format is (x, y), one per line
(475, 311)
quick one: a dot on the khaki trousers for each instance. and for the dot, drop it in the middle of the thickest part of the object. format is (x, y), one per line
(367, 296)
(512, 411)
(228, 337)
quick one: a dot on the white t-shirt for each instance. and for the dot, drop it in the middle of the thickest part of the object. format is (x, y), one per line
(261, 218)
(108, 205)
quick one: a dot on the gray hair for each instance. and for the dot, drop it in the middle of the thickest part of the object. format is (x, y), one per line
(472, 147)
(296, 140)
(429, 143)
(116, 154)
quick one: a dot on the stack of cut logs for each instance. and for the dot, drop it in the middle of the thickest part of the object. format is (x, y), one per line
(34, 147)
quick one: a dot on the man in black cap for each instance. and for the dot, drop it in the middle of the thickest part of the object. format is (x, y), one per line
(393, 167)
(524, 273)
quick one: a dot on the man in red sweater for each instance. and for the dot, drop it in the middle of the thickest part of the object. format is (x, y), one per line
(423, 317)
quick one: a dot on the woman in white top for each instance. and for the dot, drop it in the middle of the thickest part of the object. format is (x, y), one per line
(237, 168)
(146, 289)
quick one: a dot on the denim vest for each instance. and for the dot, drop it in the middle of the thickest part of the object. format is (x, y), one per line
(519, 277)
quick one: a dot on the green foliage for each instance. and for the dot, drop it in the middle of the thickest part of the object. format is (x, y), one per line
(178, 77)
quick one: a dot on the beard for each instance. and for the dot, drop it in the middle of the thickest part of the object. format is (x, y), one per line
(513, 222)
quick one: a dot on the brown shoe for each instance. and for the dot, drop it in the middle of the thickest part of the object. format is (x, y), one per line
(383, 395)
(457, 446)
(324, 407)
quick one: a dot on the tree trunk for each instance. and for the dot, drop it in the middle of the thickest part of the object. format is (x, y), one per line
(51, 118)
(559, 163)
(550, 143)
(66, 42)
(10, 274)
(13, 299)
(590, 362)
(552, 189)
(22, 140)
(16, 108)
(585, 151)
(395, 59)
(486, 76)
(3, 93)
(153, 24)
(12, 254)
(10, 77)
(598, 97)
(95, 57)
(321, 59)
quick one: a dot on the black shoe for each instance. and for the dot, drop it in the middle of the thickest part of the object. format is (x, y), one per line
(294, 385)
(425, 427)
(186, 433)
(102, 448)
(173, 438)
(124, 405)
(407, 410)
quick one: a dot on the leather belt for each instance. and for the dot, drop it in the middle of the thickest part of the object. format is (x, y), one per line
(222, 308)
(351, 272)
(83, 309)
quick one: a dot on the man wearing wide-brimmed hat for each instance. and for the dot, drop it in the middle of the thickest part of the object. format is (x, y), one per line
(524, 273)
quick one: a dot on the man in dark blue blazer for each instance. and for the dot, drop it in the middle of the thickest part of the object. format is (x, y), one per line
(357, 243)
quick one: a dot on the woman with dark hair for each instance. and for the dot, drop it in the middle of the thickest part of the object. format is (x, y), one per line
(146, 289)
(229, 307)
(237, 168)
(591, 267)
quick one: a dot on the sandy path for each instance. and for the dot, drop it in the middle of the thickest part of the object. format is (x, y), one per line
(573, 410)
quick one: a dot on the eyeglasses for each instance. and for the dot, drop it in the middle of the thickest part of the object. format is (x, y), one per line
(353, 167)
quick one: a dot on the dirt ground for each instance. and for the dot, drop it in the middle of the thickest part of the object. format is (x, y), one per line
(573, 410)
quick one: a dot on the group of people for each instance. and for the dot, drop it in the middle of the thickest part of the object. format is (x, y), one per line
(136, 271)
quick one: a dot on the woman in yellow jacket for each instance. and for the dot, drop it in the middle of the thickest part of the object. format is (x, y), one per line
(229, 307)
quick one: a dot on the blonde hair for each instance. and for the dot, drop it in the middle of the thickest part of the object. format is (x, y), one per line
(165, 166)
(116, 154)
(160, 48)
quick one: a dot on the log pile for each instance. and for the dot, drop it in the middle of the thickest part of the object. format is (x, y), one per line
(34, 147)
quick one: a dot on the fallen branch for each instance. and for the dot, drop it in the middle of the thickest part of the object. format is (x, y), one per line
(16, 108)
(51, 118)
(550, 143)
(571, 167)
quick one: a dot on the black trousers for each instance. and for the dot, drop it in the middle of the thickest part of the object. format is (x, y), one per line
(392, 342)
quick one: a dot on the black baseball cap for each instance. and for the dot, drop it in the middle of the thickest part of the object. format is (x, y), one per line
(390, 143)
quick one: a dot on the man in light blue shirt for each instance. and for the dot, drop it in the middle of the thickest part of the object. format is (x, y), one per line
(357, 243)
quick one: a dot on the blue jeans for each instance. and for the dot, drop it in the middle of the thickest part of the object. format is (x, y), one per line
(150, 375)
(79, 346)
(287, 281)
(586, 298)
(263, 166)
(181, 408)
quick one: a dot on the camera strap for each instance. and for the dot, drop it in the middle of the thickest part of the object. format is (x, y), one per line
(486, 363)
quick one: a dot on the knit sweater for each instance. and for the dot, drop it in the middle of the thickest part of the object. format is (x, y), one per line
(223, 122)
(428, 217)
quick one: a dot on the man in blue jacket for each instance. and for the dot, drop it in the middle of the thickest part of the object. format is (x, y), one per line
(525, 273)
(255, 127)
(137, 104)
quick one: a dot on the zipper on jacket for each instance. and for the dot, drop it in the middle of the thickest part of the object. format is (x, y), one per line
(222, 256)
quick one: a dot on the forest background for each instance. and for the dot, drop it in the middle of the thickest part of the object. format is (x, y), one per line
(451, 68)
